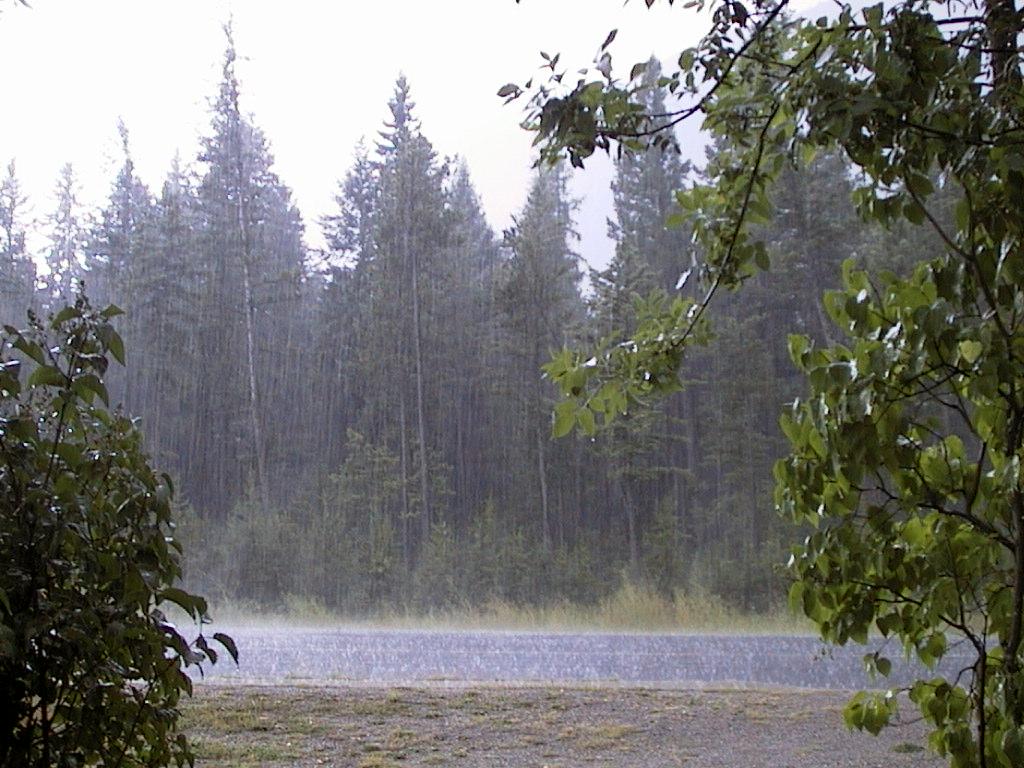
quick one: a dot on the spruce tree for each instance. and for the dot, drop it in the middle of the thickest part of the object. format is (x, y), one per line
(541, 308)
(253, 263)
(119, 243)
(17, 270)
(64, 253)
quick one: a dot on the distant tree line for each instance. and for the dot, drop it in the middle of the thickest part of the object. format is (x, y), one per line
(369, 426)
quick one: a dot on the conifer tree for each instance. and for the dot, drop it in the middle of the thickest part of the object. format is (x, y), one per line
(119, 244)
(253, 262)
(66, 239)
(411, 235)
(167, 285)
(465, 346)
(540, 305)
(643, 194)
(17, 271)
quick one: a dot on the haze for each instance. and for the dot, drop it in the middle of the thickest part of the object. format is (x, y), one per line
(315, 76)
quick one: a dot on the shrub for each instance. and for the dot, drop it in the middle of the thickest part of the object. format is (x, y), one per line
(91, 669)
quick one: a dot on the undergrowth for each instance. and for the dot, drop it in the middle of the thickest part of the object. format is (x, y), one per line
(632, 608)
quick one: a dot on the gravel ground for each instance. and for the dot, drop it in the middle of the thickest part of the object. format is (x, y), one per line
(471, 725)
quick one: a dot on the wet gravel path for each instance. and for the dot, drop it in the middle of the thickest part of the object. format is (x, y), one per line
(499, 726)
(334, 655)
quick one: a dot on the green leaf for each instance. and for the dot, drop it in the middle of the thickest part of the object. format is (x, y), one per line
(853, 712)
(970, 350)
(916, 532)
(92, 383)
(70, 453)
(112, 310)
(914, 213)
(564, 418)
(798, 344)
(585, 418)
(873, 16)
(920, 185)
(29, 348)
(228, 643)
(67, 313)
(116, 345)
(47, 376)
(796, 597)
(192, 605)
(935, 648)
(1012, 746)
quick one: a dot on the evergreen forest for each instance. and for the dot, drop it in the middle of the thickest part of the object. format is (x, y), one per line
(369, 427)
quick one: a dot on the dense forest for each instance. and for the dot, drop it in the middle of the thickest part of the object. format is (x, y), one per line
(369, 427)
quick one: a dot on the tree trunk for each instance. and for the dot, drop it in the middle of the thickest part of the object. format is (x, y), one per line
(404, 448)
(542, 472)
(420, 420)
(254, 400)
(631, 526)
(245, 257)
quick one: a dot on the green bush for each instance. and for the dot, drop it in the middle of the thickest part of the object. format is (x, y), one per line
(91, 669)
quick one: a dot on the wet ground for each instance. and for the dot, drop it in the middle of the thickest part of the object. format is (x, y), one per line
(492, 725)
(343, 656)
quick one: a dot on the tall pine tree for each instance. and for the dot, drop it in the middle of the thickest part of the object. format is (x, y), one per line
(17, 270)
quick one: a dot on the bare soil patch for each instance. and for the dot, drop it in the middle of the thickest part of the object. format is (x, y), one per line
(470, 726)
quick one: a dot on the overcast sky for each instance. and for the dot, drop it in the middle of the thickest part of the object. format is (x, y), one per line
(316, 76)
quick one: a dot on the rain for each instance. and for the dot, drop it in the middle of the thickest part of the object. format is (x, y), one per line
(513, 383)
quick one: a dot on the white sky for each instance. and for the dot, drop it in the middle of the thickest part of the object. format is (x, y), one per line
(316, 76)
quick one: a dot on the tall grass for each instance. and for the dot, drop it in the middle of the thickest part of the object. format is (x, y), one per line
(632, 608)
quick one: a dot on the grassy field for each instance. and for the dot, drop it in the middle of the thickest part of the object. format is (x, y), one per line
(631, 608)
(471, 727)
